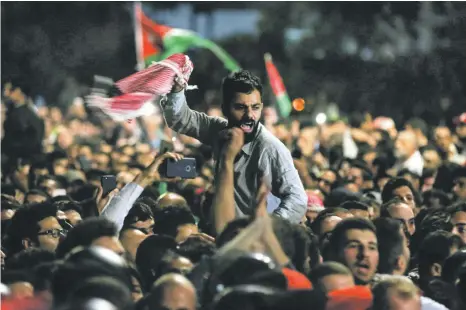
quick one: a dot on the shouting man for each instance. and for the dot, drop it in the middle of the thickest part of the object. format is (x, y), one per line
(262, 156)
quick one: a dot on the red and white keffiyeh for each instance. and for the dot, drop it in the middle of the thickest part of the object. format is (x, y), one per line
(143, 87)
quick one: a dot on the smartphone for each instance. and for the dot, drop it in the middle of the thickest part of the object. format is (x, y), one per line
(84, 163)
(184, 168)
(109, 183)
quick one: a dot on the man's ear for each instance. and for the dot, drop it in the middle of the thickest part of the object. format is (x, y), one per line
(436, 270)
(27, 243)
(401, 265)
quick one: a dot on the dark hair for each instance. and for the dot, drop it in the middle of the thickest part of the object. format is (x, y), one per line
(418, 123)
(366, 171)
(338, 236)
(29, 258)
(151, 192)
(457, 207)
(85, 232)
(9, 189)
(316, 225)
(435, 248)
(25, 224)
(354, 205)
(241, 81)
(231, 230)
(139, 212)
(393, 184)
(168, 219)
(390, 243)
(434, 193)
(94, 175)
(43, 178)
(195, 247)
(69, 205)
(339, 196)
(9, 203)
(149, 256)
(37, 192)
(43, 275)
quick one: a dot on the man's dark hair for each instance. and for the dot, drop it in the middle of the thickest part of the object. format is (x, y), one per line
(151, 192)
(338, 236)
(25, 225)
(231, 230)
(168, 219)
(429, 197)
(242, 81)
(339, 196)
(354, 205)
(139, 212)
(95, 175)
(149, 257)
(435, 248)
(69, 205)
(405, 171)
(327, 269)
(418, 123)
(393, 184)
(43, 275)
(85, 232)
(366, 171)
(390, 243)
(43, 178)
(195, 248)
(29, 258)
(457, 207)
(316, 225)
(37, 192)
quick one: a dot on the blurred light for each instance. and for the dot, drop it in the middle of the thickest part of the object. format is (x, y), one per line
(321, 118)
(298, 104)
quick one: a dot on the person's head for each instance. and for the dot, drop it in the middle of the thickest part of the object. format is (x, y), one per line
(324, 223)
(459, 180)
(140, 217)
(396, 293)
(172, 292)
(174, 221)
(60, 162)
(405, 145)
(29, 258)
(49, 184)
(195, 247)
(435, 199)
(419, 126)
(101, 161)
(73, 211)
(433, 251)
(353, 243)
(458, 219)
(19, 282)
(231, 230)
(330, 276)
(242, 101)
(431, 158)
(326, 181)
(97, 231)
(149, 256)
(358, 209)
(361, 175)
(394, 254)
(443, 138)
(34, 226)
(403, 189)
(36, 196)
(171, 199)
(412, 177)
(399, 210)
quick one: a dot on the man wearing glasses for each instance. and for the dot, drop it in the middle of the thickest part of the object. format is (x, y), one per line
(35, 225)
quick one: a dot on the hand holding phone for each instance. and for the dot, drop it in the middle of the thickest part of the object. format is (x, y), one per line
(109, 183)
(184, 168)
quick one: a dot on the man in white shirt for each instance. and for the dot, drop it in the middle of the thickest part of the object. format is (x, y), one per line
(407, 153)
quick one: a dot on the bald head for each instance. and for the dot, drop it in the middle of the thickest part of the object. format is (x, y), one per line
(405, 144)
(173, 291)
(171, 199)
(443, 138)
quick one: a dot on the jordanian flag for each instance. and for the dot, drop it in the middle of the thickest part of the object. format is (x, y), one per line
(279, 90)
(155, 42)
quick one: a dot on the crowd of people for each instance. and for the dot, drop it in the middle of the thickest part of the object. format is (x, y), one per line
(358, 214)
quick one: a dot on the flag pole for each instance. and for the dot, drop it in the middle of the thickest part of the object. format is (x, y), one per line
(137, 11)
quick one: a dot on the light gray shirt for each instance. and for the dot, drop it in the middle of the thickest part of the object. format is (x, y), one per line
(265, 156)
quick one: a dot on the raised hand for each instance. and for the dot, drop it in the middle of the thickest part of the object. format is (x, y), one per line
(153, 169)
(234, 138)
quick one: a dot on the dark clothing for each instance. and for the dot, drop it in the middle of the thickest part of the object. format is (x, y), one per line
(24, 132)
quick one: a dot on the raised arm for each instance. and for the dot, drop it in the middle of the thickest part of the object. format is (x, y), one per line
(182, 119)
(223, 205)
(120, 204)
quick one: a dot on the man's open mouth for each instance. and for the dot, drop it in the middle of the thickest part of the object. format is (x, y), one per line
(362, 268)
(247, 127)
